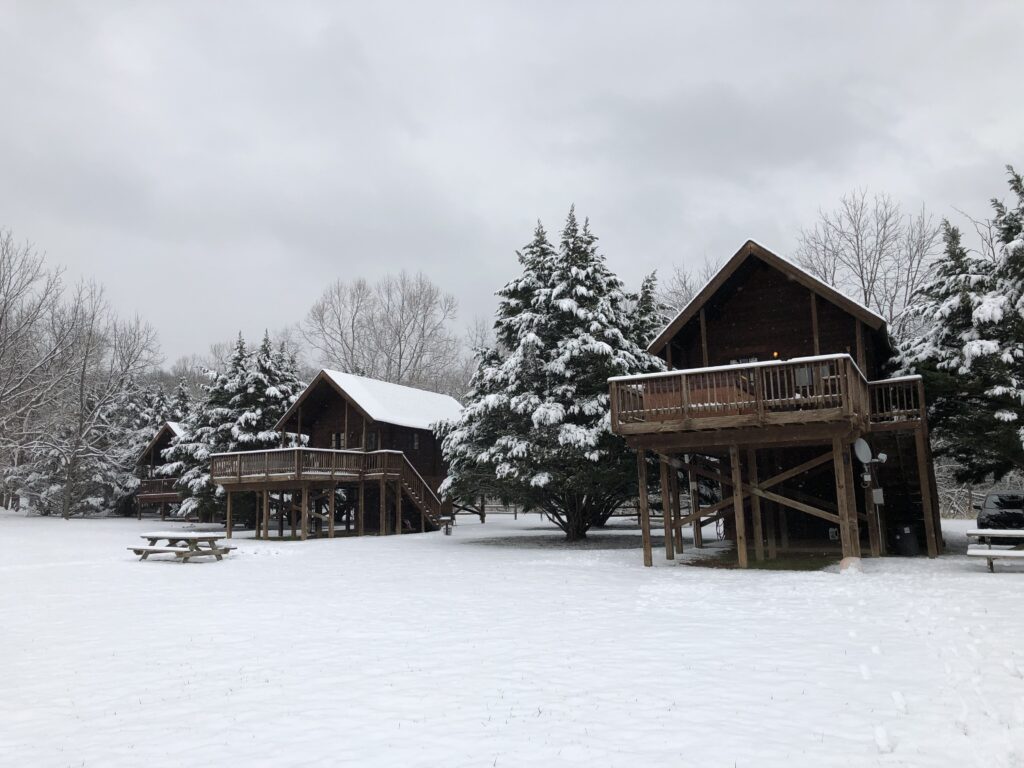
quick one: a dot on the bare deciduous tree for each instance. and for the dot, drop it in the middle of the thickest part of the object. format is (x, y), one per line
(398, 330)
(870, 249)
(684, 283)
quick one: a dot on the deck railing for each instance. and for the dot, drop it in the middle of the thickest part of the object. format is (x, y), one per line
(813, 389)
(157, 486)
(740, 395)
(303, 464)
(896, 400)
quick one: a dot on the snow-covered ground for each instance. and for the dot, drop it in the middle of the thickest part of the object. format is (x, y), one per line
(496, 646)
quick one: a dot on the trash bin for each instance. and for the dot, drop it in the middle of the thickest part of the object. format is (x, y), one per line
(907, 544)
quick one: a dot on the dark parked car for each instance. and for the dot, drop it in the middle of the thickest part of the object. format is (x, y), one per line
(1002, 509)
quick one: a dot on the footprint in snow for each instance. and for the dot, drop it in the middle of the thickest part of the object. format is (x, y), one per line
(900, 702)
(882, 740)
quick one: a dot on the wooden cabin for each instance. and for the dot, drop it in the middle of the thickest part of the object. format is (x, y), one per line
(370, 461)
(157, 489)
(773, 377)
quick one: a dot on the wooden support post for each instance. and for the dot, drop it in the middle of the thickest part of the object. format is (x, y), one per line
(330, 511)
(698, 535)
(737, 505)
(755, 506)
(851, 490)
(383, 522)
(398, 507)
(704, 338)
(643, 512)
(666, 508)
(305, 513)
(677, 525)
(361, 509)
(266, 515)
(227, 521)
(845, 499)
(771, 529)
(930, 534)
(814, 323)
(872, 514)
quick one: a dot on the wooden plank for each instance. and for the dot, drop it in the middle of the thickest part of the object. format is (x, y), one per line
(305, 513)
(227, 522)
(931, 539)
(642, 508)
(704, 338)
(814, 323)
(698, 535)
(666, 509)
(266, 514)
(383, 522)
(755, 506)
(677, 526)
(842, 498)
(361, 509)
(797, 505)
(741, 525)
(398, 507)
(331, 506)
(851, 496)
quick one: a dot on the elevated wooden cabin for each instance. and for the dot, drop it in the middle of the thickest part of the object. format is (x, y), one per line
(371, 462)
(157, 489)
(773, 376)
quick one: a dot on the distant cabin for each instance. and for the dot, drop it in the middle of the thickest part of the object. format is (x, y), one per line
(371, 462)
(156, 489)
(774, 378)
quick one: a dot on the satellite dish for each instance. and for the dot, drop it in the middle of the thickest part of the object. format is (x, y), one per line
(862, 450)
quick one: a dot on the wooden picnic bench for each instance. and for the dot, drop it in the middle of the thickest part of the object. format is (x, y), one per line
(1010, 543)
(184, 545)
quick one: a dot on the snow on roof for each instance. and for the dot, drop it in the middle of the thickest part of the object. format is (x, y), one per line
(395, 403)
(176, 428)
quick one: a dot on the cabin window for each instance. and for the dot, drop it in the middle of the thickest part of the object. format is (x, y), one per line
(415, 441)
(337, 441)
(743, 360)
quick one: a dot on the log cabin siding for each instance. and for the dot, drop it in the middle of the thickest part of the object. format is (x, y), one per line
(760, 311)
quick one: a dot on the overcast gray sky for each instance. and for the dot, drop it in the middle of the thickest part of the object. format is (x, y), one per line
(215, 164)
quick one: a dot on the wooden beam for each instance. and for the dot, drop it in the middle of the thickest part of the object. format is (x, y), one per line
(862, 361)
(741, 525)
(698, 535)
(331, 506)
(383, 522)
(666, 508)
(847, 510)
(874, 539)
(398, 507)
(704, 338)
(755, 506)
(360, 511)
(643, 511)
(921, 449)
(797, 505)
(266, 515)
(769, 482)
(305, 513)
(814, 323)
(227, 522)
(673, 481)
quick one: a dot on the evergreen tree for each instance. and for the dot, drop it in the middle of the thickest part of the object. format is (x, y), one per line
(649, 315)
(208, 430)
(536, 428)
(971, 353)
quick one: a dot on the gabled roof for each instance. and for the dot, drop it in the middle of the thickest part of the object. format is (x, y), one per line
(751, 249)
(169, 428)
(383, 401)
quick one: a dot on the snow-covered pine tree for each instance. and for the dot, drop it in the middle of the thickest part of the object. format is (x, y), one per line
(208, 430)
(268, 388)
(140, 414)
(971, 351)
(648, 313)
(536, 427)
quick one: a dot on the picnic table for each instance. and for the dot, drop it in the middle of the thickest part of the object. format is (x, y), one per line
(183, 544)
(1009, 541)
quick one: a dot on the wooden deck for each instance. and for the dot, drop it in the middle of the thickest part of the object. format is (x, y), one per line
(317, 467)
(158, 490)
(826, 393)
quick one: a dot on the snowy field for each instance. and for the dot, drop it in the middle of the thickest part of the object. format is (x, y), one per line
(496, 646)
